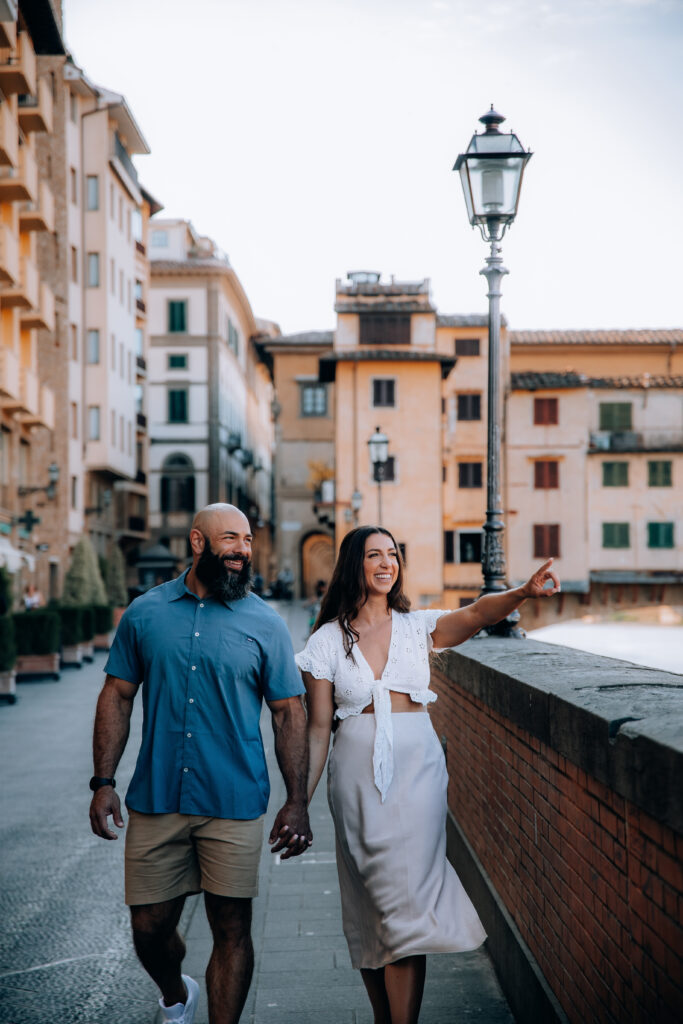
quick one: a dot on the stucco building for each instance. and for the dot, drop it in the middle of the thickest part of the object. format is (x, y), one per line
(210, 392)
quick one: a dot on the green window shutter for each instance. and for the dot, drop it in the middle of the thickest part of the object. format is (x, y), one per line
(615, 415)
(177, 316)
(659, 473)
(660, 535)
(177, 406)
(616, 535)
(615, 474)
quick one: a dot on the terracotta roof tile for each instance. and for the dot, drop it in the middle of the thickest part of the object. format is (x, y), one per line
(673, 336)
(533, 381)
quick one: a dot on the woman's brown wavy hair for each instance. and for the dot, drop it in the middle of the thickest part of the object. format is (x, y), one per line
(348, 592)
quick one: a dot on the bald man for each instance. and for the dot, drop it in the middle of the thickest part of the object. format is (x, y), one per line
(206, 652)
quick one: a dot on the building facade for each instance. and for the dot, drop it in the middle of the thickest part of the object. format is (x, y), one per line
(210, 392)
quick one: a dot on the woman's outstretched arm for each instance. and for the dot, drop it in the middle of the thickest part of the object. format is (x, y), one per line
(320, 708)
(460, 625)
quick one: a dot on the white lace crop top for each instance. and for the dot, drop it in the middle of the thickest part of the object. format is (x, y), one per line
(406, 671)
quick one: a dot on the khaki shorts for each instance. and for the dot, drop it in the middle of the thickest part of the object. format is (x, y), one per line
(169, 855)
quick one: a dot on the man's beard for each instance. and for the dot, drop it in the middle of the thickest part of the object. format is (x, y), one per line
(222, 582)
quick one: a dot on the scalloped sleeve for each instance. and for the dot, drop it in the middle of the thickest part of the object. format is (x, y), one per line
(318, 656)
(430, 617)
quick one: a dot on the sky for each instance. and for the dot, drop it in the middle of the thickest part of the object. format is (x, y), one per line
(310, 138)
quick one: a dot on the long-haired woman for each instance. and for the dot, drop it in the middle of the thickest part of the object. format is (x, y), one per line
(366, 665)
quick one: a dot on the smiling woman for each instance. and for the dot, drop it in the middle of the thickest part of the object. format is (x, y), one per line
(367, 666)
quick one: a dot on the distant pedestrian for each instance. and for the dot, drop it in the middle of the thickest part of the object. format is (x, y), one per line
(32, 597)
(365, 665)
(208, 651)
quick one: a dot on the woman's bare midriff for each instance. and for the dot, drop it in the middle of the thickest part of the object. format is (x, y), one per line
(399, 702)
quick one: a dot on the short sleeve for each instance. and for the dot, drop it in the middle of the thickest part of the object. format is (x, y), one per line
(279, 677)
(125, 661)
(430, 617)
(317, 656)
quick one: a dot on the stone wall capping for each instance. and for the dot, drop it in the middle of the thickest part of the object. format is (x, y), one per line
(619, 722)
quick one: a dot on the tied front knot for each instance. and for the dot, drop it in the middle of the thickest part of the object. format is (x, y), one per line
(383, 752)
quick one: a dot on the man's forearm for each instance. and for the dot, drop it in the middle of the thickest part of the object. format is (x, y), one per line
(291, 750)
(110, 734)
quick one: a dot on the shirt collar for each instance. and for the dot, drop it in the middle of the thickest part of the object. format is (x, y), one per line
(177, 588)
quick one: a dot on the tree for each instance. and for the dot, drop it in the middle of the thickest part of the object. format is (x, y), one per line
(116, 578)
(83, 583)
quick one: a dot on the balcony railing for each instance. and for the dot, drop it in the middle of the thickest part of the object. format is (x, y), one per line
(140, 248)
(25, 293)
(9, 255)
(40, 215)
(20, 182)
(35, 111)
(18, 71)
(121, 154)
(42, 317)
(140, 306)
(142, 421)
(9, 137)
(141, 362)
(10, 376)
(648, 440)
(136, 524)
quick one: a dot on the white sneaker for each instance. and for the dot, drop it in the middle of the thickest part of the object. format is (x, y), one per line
(182, 1013)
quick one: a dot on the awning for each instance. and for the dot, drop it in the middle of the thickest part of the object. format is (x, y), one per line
(12, 558)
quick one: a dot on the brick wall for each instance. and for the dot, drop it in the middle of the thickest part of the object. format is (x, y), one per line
(592, 881)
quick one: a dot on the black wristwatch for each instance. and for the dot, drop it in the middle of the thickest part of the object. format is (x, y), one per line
(97, 782)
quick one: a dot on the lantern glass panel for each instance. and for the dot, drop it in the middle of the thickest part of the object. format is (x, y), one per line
(494, 185)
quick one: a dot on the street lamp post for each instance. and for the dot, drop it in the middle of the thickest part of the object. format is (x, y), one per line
(491, 172)
(379, 455)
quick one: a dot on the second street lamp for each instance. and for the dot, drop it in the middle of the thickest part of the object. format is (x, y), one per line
(491, 172)
(379, 456)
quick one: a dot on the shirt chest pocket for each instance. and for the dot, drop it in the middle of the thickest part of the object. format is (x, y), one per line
(240, 655)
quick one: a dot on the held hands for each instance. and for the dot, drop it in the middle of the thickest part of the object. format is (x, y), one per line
(291, 831)
(105, 801)
(536, 584)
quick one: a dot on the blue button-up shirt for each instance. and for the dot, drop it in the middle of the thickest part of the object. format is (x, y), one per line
(206, 667)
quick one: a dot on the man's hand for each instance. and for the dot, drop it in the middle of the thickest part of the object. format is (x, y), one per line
(291, 831)
(105, 801)
(536, 585)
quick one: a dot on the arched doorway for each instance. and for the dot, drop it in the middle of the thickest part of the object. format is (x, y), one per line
(317, 561)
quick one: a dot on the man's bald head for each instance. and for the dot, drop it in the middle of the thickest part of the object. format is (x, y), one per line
(220, 518)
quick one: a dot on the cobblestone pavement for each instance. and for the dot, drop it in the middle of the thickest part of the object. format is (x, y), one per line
(65, 949)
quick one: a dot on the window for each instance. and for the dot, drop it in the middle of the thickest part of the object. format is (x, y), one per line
(121, 286)
(616, 535)
(128, 225)
(469, 407)
(112, 276)
(469, 474)
(73, 108)
(74, 420)
(659, 473)
(546, 540)
(129, 359)
(177, 405)
(139, 394)
(177, 316)
(449, 546)
(177, 361)
(383, 392)
(177, 484)
(93, 422)
(660, 535)
(388, 470)
(120, 213)
(122, 370)
(74, 492)
(160, 239)
(545, 412)
(111, 201)
(93, 270)
(121, 433)
(113, 351)
(137, 225)
(615, 415)
(73, 182)
(313, 400)
(92, 183)
(74, 342)
(384, 329)
(139, 341)
(546, 474)
(74, 264)
(113, 428)
(233, 338)
(93, 346)
(615, 474)
(467, 346)
(469, 547)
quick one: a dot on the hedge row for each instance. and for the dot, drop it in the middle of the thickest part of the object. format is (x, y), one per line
(45, 630)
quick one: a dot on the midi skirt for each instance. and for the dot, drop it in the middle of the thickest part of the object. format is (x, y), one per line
(399, 893)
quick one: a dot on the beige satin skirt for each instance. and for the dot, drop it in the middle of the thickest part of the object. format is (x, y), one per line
(400, 895)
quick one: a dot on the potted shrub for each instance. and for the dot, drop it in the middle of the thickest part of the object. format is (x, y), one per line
(37, 638)
(8, 649)
(73, 634)
(104, 626)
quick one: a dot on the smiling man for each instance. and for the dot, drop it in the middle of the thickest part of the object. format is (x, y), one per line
(208, 652)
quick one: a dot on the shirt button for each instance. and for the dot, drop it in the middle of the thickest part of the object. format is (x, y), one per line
(196, 634)
(191, 700)
(189, 735)
(186, 769)
(201, 605)
(194, 668)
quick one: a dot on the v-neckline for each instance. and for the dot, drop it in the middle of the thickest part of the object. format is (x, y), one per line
(378, 679)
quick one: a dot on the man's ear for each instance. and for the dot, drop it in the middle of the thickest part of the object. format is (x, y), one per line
(197, 541)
